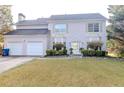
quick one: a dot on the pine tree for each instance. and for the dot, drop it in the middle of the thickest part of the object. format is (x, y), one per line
(116, 27)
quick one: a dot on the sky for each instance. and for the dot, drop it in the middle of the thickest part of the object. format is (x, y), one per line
(34, 9)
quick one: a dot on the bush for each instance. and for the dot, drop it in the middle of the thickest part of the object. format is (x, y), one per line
(88, 53)
(64, 51)
(60, 52)
(51, 52)
(55, 52)
(98, 53)
(80, 49)
(104, 53)
(93, 53)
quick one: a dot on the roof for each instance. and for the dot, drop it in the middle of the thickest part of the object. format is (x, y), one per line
(28, 32)
(44, 21)
(39, 21)
(78, 16)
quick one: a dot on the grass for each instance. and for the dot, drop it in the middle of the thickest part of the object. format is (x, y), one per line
(66, 72)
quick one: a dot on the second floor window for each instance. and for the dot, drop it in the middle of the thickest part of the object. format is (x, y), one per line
(60, 28)
(93, 27)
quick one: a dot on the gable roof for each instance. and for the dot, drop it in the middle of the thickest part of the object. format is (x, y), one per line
(28, 32)
(78, 16)
(39, 21)
(44, 21)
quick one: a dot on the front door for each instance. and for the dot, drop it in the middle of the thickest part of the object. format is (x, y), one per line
(75, 46)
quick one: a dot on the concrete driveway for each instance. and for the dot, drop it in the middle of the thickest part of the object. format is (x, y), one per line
(7, 63)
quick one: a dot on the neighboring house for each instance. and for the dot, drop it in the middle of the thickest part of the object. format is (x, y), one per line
(34, 37)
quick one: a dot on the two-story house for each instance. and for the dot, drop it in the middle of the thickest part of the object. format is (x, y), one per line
(34, 37)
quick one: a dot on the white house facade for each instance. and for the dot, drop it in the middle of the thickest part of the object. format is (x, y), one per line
(34, 37)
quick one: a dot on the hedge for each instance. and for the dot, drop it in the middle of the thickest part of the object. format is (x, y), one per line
(52, 52)
(93, 53)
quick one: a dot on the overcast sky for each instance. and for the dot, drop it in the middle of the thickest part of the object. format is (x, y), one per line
(34, 9)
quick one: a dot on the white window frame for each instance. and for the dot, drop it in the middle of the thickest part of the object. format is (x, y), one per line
(60, 30)
(59, 39)
(93, 28)
(94, 38)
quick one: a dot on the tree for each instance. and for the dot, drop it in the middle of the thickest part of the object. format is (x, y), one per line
(116, 27)
(5, 20)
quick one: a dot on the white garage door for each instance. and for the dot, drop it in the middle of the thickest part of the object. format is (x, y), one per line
(34, 48)
(16, 48)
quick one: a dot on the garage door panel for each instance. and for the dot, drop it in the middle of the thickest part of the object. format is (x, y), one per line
(30, 48)
(15, 48)
(35, 48)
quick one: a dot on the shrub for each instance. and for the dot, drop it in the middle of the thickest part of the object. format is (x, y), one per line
(98, 53)
(81, 49)
(48, 52)
(84, 52)
(104, 53)
(88, 52)
(55, 52)
(51, 52)
(64, 51)
(93, 53)
(60, 52)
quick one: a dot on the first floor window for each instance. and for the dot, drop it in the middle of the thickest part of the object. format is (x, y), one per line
(59, 39)
(91, 38)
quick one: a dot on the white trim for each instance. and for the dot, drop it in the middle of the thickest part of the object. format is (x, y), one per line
(76, 20)
(93, 23)
(76, 51)
(60, 32)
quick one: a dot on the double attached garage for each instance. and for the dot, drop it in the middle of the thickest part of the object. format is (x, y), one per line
(30, 43)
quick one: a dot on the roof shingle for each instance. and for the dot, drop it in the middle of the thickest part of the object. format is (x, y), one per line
(44, 21)
(78, 16)
(39, 21)
(28, 32)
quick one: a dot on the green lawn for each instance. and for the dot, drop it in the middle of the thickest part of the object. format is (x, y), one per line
(66, 72)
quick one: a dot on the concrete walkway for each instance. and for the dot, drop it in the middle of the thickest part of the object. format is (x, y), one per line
(11, 62)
